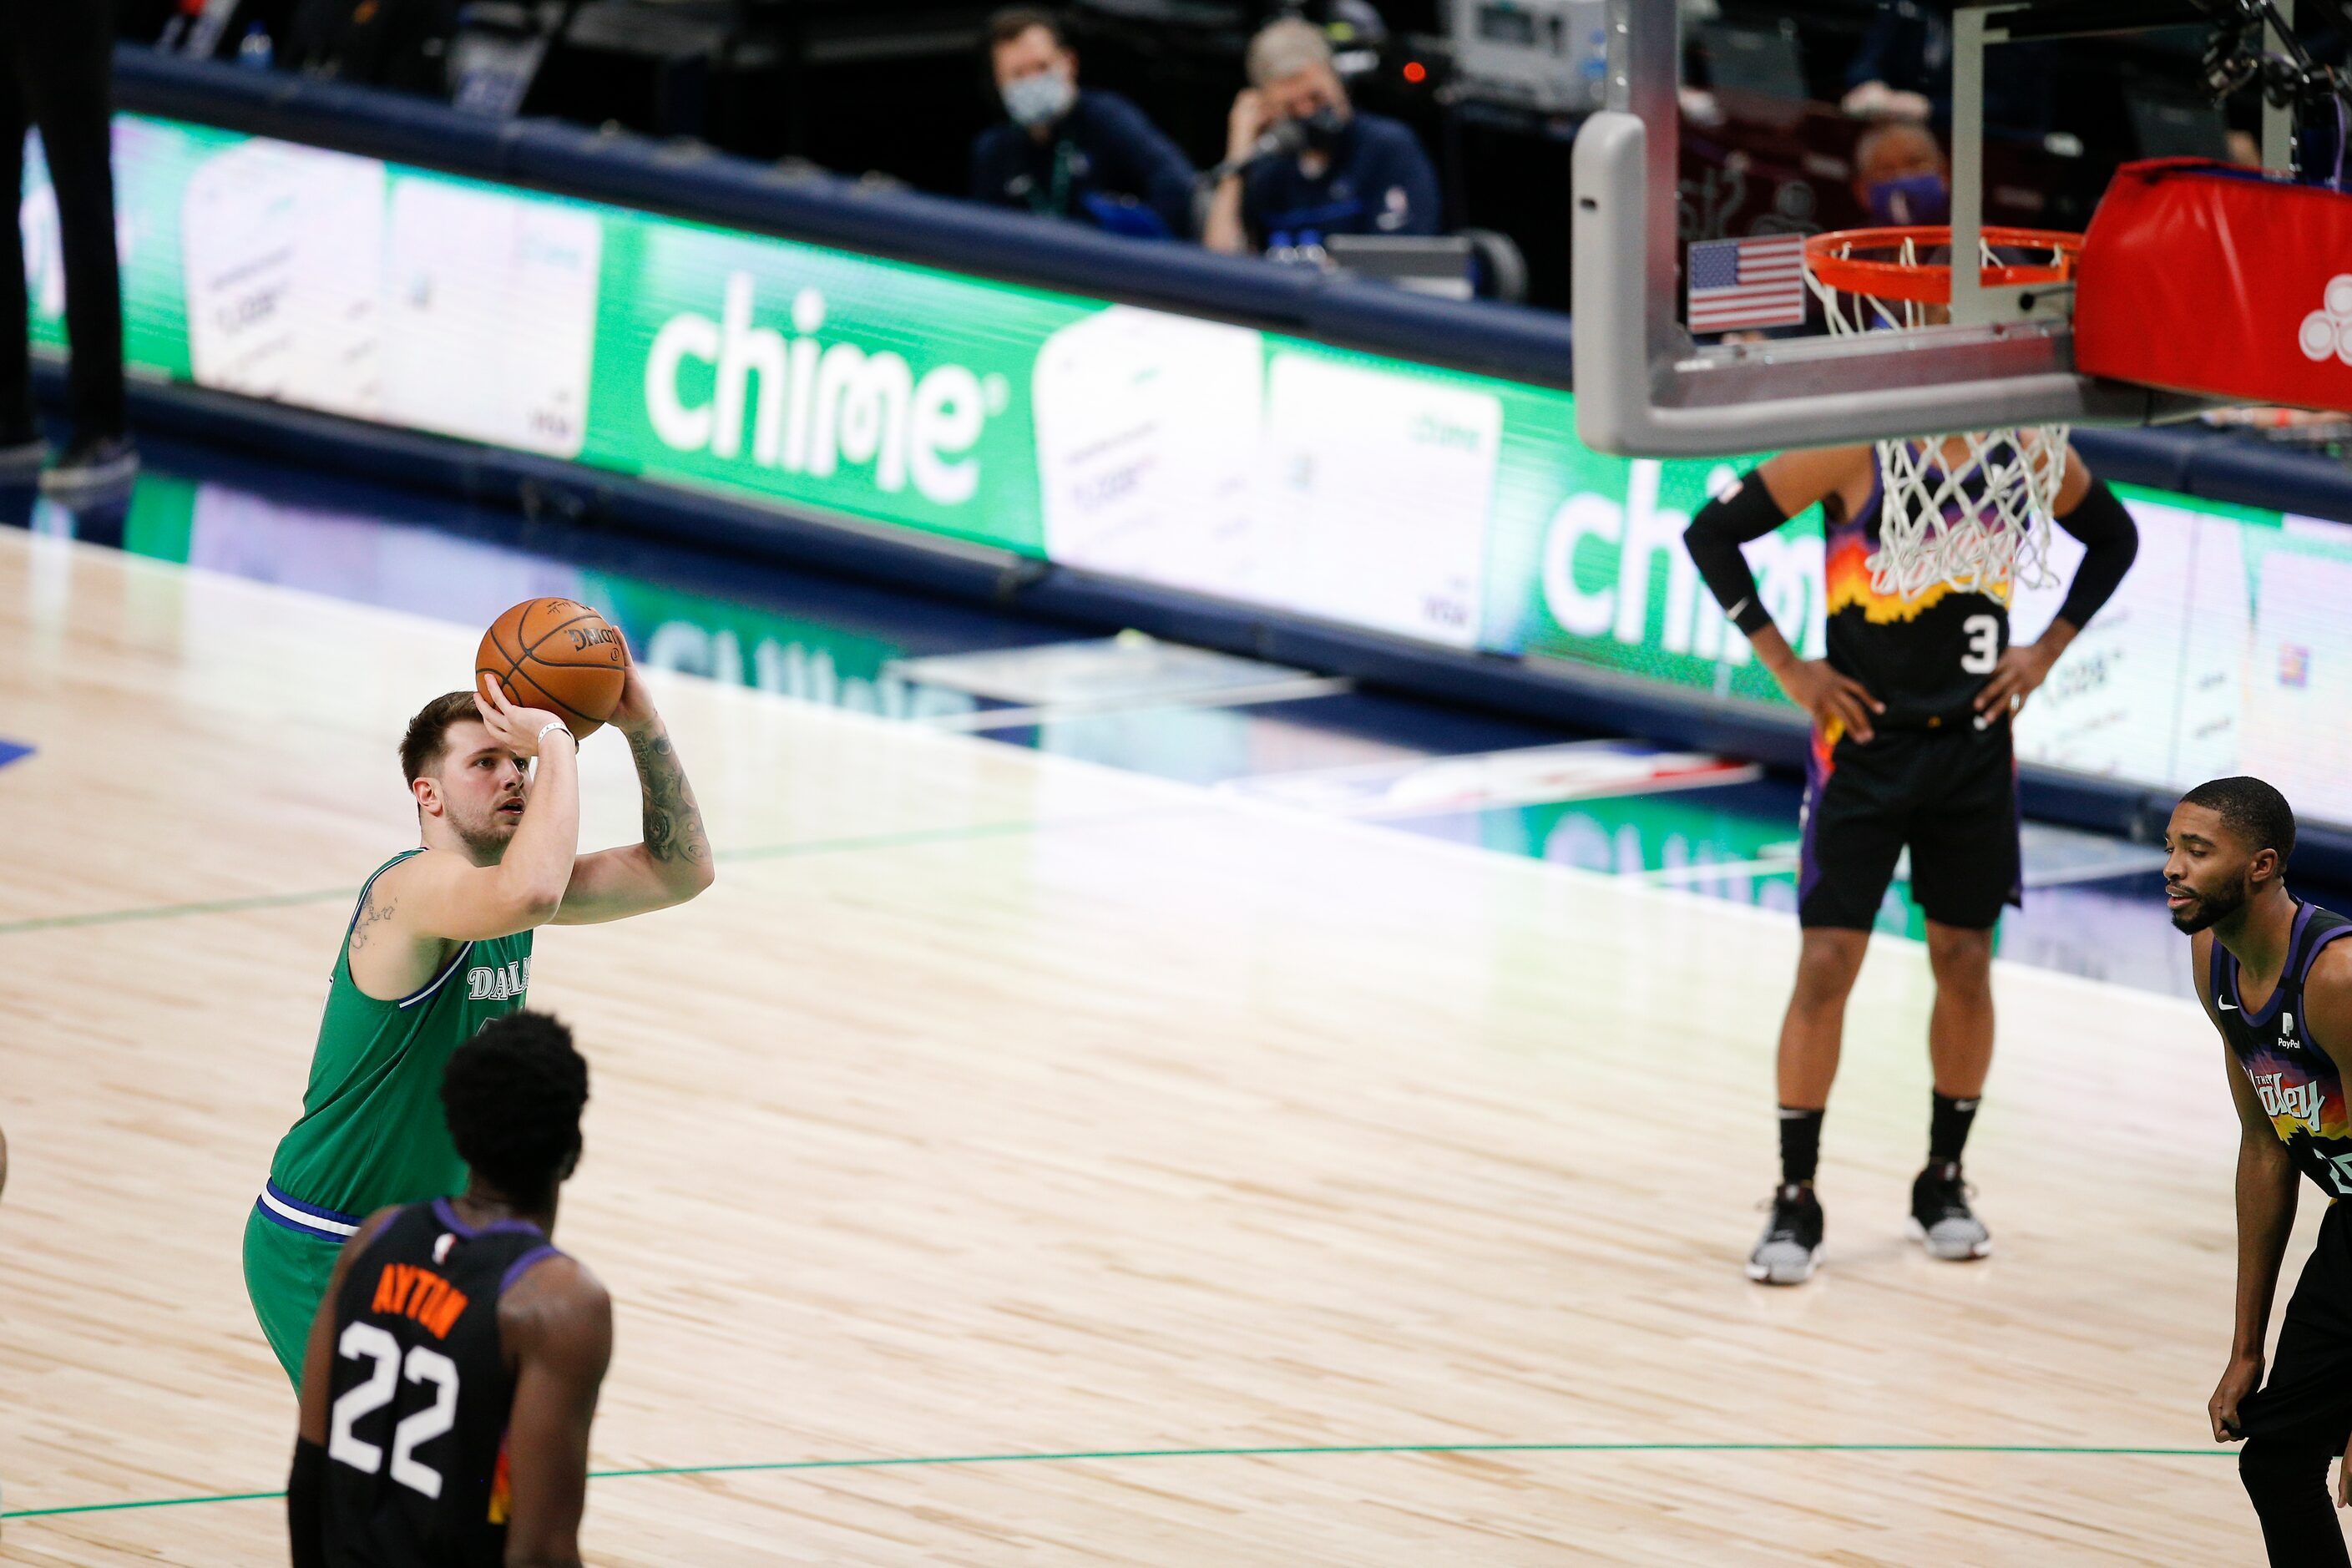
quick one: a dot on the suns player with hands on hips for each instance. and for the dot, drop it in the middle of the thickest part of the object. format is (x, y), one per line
(1911, 748)
(439, 944)
(2277, 982)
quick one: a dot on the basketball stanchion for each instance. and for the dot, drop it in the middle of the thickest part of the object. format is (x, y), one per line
(2262, 265)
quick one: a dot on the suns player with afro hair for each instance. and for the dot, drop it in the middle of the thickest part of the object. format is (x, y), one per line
(453, 1368)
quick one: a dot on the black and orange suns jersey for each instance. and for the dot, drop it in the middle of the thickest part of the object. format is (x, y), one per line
(1926, 655)
(416, 1467)
(2295, 1077)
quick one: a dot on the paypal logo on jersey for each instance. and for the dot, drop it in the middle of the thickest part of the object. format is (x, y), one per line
(498, 982)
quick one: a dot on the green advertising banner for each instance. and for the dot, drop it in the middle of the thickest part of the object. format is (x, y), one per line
(1595, 573)
(1454, 510)
(1450, 508)
(882, 391)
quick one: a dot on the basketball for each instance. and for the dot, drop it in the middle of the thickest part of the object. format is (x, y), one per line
(559, 655)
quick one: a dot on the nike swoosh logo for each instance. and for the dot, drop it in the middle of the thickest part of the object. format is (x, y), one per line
(2227, 1006)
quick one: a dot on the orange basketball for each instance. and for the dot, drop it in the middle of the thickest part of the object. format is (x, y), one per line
(559, 655)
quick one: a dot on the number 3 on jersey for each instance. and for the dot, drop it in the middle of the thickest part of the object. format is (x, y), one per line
(364, 1341)
(1984, 644)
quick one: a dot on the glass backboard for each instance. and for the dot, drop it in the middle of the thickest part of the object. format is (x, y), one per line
(2000, 355)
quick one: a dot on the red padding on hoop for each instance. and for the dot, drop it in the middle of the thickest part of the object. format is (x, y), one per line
(2202, 276)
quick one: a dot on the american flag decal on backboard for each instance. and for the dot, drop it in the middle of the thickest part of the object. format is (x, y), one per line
(1736, 283)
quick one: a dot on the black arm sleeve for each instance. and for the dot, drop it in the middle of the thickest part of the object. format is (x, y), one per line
(1714, 539)
(305, 1505)
(2110, 541)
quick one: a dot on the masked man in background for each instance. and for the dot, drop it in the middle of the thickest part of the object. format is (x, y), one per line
(1068, 153)
(1342, 173)
(1900, 177)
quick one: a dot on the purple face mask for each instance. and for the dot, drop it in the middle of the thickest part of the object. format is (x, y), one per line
(1913, 199)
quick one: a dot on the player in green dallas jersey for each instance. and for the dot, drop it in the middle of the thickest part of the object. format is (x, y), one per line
(440, 944)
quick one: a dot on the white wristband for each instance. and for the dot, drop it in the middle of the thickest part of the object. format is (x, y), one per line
(541, 740)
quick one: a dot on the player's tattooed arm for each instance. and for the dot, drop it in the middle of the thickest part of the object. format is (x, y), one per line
(674, 834)
(373, 913)
(674, 862)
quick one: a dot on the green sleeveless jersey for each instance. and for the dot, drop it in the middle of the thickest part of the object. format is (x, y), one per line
(371, 1131)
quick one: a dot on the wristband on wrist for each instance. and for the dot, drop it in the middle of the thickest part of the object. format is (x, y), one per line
(541, 740)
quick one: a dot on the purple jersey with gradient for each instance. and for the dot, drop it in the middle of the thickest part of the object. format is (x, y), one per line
(1925, 655)
(421, 1391)
(2299, 1084)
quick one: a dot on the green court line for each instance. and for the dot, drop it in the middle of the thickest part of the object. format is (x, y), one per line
(2066, 1449)
(172, 911)
(143, 1503)
(907, 840)
(919, 836)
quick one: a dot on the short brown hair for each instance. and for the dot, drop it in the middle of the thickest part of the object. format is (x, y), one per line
(428, 733)
(1014, 20)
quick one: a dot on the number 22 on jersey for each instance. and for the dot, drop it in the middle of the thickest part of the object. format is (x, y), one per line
(362, 1342)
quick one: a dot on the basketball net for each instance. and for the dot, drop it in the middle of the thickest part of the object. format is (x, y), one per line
(1971, 510)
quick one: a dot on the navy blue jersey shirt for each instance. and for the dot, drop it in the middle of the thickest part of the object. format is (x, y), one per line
(1378, 181)
(1104, 162)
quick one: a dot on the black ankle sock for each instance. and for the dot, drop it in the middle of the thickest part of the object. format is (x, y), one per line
(1801, 1144)
(1948, 1128)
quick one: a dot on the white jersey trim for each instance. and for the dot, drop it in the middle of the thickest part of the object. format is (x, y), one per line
(301, 1221)
(439, 979)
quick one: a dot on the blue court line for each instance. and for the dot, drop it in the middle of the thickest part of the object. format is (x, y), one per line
(13, 750)
(2068, 1450)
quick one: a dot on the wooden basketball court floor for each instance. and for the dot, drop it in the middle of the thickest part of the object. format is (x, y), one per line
(1011, 1160)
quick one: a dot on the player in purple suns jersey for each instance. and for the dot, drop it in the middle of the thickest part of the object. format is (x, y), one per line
(1911, 748)
(452, 1369)
(2276, 981)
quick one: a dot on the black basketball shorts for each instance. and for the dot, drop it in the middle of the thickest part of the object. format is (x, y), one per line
(2308, 1395)
(1947, 792)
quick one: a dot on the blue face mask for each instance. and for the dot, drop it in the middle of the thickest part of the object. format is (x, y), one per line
(1039, 98)
(1913, 199)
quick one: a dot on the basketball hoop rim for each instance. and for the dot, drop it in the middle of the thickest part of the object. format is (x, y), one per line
(1930, 282)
